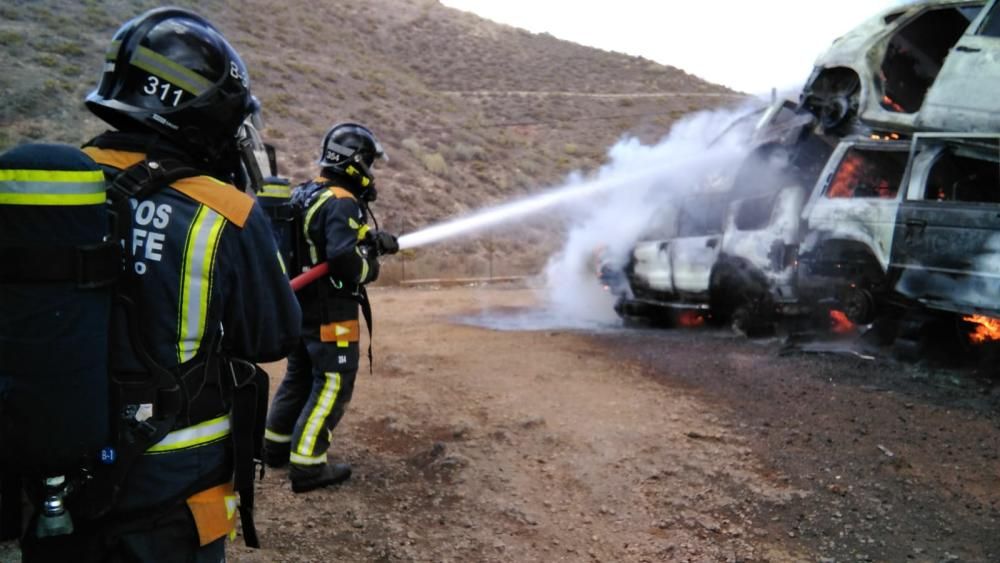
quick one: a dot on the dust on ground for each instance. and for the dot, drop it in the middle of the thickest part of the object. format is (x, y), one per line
(470, 444)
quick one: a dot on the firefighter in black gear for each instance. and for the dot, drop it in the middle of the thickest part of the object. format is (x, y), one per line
(206, 282)
(321, 371)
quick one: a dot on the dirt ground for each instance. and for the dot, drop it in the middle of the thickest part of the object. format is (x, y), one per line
(472, 444)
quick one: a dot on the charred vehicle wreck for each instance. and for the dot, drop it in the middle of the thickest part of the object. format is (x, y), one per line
(885, 206)
(731, 253)
(895, 67)
(926, 250)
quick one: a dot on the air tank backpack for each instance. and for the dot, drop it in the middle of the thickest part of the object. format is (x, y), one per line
(275, 200)
(70, 427)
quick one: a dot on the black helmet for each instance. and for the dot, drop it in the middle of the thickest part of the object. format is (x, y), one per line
(351, 149)
(172, 71)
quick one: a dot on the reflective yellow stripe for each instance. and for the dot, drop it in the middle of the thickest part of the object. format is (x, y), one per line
(51, 187)
(59, 176)
(193, 436)
(196, 280)
(51, 199)
(364, 266)
(309, 215)
(168, 70)
(363, 231)
(300, 459)
(112, 53)
(317, 418)
(276, 190)
(281, 263)
(277, 438)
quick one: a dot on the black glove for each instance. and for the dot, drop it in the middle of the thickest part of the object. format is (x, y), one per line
(385, 243)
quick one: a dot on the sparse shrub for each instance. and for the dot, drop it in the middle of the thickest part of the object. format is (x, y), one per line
(571, 149)
(68, 49)
(298, 67)
(95, 17)
(9, 13)
(413, 146)
(11, 38)
(279, 104)
(626, 102)
(464, 152)
(434, 163)
(71, 70)
(47, 60)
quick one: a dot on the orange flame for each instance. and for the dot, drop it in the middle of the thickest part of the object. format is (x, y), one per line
(987, 328)
(839, 323)
(890, 104)
(690, 319)
(845, 179)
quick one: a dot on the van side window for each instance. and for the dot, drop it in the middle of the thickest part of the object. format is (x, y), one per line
(868, 174)
(991, 24)
(915, 54)
(700, 218)
(963, 178)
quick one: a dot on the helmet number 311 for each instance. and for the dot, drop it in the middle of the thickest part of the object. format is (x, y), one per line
(163, 89)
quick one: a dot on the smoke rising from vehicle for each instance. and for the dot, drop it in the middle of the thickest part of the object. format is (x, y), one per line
(608, 211)
(693, 156)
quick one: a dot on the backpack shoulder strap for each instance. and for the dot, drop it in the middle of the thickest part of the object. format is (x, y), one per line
(141, 177)
(222, 198)
(341, 193)
(337, 191)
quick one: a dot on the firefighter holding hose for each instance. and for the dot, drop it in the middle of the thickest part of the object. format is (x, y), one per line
(333, 231)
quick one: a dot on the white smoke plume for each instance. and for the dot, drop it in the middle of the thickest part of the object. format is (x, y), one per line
(700, 147)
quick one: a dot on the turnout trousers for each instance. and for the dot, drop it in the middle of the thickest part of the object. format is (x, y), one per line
(315, 392)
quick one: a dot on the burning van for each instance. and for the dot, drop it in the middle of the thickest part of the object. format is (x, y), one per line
(909, 68)
(848, 225)
(732, 251)
(907, 233)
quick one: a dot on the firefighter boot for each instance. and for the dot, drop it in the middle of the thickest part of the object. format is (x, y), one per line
(306, 478)
(276, 454)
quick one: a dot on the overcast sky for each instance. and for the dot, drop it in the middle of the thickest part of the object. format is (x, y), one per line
(749, 45)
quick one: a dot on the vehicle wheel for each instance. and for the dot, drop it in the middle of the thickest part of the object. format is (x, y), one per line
(751, 319)
(740, 303)
(858, 305)
(741, 320)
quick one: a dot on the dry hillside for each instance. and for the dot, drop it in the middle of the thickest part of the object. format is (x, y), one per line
(471, 112)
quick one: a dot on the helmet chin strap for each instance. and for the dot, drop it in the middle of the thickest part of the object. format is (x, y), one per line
(248, 159)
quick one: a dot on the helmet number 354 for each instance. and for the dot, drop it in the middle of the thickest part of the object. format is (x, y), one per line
(163, 89)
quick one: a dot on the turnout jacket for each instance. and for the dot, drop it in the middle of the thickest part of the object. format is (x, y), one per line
(335, 227)
(206, 264)
(207, 278)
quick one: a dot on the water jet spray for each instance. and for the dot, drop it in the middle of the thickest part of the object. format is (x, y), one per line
(521, 208)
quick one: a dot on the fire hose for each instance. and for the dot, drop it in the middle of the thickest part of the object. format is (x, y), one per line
(309, 276)
(322, 269)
